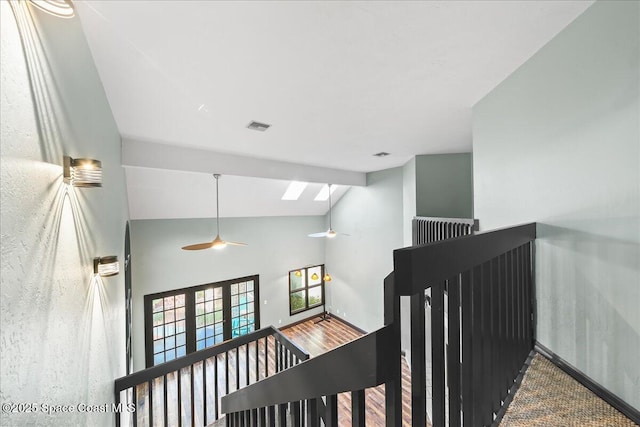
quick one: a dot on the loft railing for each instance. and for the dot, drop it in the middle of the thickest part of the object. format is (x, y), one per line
(429, 230)
(187, 391)
(432, 229)
(310, 389)
(488, 278)
(488, 282)
(355, 366)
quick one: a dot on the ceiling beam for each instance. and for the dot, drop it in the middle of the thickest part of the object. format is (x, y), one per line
(163, 156)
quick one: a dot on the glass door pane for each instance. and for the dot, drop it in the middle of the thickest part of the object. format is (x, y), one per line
(182, 321)
(169, 340)
(243, 318)
(209, 317)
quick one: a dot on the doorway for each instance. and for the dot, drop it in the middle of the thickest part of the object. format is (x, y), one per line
(183, 321)
(128, 299)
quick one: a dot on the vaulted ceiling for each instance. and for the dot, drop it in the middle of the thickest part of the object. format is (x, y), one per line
(337, 81)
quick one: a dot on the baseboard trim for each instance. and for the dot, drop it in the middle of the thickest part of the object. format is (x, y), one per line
(330, 316)
(604, 394)
(351, 325)
(297, 322)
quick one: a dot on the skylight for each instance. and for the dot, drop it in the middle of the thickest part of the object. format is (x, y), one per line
(294, 190)
(324, 192)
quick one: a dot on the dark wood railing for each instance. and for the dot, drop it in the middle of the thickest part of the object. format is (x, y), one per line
(187, 391)
(488, 284)
(310, 389)
(432, 229)
(481, 286)
(485, 281)
(428, 230)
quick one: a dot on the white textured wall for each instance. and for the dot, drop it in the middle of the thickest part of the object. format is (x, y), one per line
(61, 333)
(558, 142)
(358, 263)
(276, 245)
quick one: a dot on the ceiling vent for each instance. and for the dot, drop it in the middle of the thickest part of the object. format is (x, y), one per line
(381, 154)
(258, 126)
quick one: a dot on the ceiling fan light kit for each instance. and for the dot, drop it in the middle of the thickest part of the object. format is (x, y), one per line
(330, 233)
(217, 243)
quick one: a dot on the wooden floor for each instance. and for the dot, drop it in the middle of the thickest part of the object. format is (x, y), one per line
(317, 338)
(201, 396)
(193, 398)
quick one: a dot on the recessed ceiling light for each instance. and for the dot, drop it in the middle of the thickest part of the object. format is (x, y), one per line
(294, 190)
(258, 126)
(324, 193)
(381, 154)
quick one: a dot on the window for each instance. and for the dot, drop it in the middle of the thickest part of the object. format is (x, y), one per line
(306, 288)
(185, 320)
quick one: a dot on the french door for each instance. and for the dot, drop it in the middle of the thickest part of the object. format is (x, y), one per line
(185, 320)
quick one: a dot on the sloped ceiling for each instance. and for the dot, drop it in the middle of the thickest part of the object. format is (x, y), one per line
(338, 81)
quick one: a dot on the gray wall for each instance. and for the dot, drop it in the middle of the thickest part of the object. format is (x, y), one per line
(558, 143)
(62, 330)
(276, 245)
(372, 216)
(444, 185)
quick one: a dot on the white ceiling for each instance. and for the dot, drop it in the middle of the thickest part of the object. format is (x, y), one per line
(338, 81)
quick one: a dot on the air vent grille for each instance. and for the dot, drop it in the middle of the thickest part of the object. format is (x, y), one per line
(258, 126)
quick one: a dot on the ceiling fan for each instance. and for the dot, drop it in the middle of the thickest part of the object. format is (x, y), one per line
(217, 243)
(330, 233)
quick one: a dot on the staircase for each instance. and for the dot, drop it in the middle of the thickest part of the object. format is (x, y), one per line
(480, 286)
(487, 280)
(188, 391)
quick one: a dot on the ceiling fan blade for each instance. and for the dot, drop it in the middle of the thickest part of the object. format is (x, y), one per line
(217, 243)
(322, 234)
(198, 246)
(236, 243)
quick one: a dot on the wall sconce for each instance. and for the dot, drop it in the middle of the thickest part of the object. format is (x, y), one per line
(106, 266)
(82, 172)
(314, 276)
(327, 277)
(59, 8)
(298, 273)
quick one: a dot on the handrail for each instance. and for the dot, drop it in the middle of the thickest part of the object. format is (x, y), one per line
(417, 267)
(292, 346)
(467, 221)
(480, 321)
(153, 372)
(431, 229)
(357, 365)
(462, 268)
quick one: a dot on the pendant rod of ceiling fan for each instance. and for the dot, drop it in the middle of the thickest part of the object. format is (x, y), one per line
(217, 176)
(330, 228)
